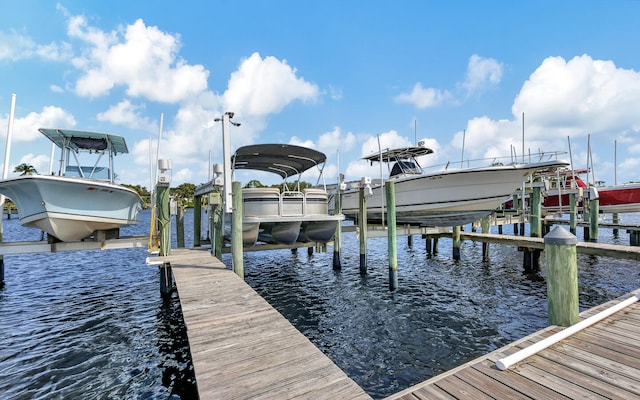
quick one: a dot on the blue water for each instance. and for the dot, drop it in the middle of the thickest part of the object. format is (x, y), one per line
(93, 325)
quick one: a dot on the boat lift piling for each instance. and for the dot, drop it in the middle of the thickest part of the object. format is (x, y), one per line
(215, 202)
(164, 223)
(456, 242)
(594, 209)
(236, 229)
(362, 222)
(179, 224)
(486, 228)
(391, 236)
(337, 241)
(197, 220)
(531, 259)
(573, 212)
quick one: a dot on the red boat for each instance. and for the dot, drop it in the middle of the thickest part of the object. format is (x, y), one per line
(621, 198)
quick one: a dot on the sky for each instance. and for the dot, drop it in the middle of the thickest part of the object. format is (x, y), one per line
(477, 79)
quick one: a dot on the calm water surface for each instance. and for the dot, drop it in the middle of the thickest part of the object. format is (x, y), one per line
(93, 325)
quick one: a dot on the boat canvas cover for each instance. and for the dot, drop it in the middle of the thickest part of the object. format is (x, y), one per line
(403, 153)
(283, 159)
(85, 140)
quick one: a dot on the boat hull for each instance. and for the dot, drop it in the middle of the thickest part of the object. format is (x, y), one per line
(71, 209)
(448, 198)
(624, 198)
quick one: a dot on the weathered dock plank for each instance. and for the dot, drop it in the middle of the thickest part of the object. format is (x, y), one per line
(241, 347)
(599, 362)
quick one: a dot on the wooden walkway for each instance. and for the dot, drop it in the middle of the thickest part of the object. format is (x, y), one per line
(241, 347)
(600, 362)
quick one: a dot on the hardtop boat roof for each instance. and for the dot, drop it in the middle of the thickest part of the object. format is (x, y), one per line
(399, 154)
(283, 159)
(86, 140)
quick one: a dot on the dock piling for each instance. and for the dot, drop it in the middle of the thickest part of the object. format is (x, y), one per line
(215, 223)
(594, 209)
(337, 241)
(485, 246)
(179, 224)
(391, 237)
(456, 242)
(562, 277)
(236, 229)
(573, 213)
(532, 256)
(362, 222)
(164, 224)
(197, 220)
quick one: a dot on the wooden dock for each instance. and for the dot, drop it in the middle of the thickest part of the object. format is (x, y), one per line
(591, 248)
(241, 347)
(600, 362)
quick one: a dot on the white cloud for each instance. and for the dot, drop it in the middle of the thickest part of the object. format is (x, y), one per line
(423, 98)
(141, 58)
(331, 142)
(304, 143)
(580, 96)
(15, 46)
(39, 162)
(26, 129)
(481, 72)
(127, 114)
(265, 86)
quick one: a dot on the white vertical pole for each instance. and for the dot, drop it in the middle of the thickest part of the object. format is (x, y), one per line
(53, 153)
(226, 155)
(7, 152)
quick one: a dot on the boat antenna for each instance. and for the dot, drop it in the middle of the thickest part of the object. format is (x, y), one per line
(615, 162)
(7, 150)
(593, 172)
(382, 194)
(523, 159)
(158, 146)
(464, 133)
(415, 131)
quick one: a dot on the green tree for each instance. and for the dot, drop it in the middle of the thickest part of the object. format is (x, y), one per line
(25, 169)
(184, 191)
(254, 184)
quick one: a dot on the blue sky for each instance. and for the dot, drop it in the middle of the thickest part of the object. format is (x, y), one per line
(334, 75)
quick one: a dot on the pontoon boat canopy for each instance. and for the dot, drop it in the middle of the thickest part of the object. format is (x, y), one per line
(283, 159)
(85, 140)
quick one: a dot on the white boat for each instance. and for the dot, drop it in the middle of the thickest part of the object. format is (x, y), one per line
(80, 199)
(450, 197)
(293, 214)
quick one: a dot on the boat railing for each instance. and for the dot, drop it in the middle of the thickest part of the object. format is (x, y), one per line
(493, 161)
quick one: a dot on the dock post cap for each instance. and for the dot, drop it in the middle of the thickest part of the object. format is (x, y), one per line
(560, 236)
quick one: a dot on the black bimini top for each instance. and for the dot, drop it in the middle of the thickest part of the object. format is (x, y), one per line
(283, 159)
(402, 153)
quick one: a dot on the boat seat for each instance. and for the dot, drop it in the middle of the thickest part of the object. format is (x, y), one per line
(292, 203)
(316, 201)
(260, 201)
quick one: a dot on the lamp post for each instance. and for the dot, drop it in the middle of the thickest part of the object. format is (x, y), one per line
(226, 154)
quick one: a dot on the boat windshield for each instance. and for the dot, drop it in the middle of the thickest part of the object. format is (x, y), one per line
(404, 167)
(99, 173)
